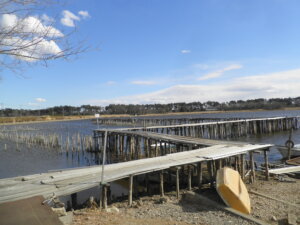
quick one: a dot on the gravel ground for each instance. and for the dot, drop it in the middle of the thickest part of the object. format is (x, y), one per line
(155, 210)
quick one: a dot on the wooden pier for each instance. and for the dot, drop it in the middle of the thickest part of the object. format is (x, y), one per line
(182, 151)
(66, 182)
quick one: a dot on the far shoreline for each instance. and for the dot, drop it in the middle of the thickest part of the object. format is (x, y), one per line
(46, 119)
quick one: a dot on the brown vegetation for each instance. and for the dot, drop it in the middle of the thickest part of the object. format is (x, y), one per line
(30, 119)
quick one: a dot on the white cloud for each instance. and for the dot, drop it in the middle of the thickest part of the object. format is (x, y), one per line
(68, 18)
(33, 52)
(143, 82)
(33, 46)
(185, 51)
(84, 14)
(40, 100)
(273, 85)
(220, 72)
(30, 24)
(47, 19)
(110, 83)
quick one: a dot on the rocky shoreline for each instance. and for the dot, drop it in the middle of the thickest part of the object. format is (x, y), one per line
(279, 200)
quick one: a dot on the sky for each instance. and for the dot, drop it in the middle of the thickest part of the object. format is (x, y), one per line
(154, 51)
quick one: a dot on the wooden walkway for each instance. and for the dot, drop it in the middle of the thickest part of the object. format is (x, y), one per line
(71, 181)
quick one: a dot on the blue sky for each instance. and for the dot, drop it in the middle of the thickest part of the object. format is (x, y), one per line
(162, 51)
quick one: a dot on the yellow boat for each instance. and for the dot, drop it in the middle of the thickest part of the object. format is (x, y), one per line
(232, 190)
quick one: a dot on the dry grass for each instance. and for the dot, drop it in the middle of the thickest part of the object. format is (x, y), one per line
(30, 119)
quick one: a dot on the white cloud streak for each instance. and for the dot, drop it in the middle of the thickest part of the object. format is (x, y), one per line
(273, 85)
(144, 82)
(220, 72)
(110, 83)
(40, 100)
(84, 14)
(185, 51)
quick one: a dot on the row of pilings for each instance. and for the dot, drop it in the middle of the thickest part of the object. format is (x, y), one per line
(144, 121)
(229, 129)
(136, 144)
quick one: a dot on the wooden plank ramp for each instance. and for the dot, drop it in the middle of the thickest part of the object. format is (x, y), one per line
(71, 181)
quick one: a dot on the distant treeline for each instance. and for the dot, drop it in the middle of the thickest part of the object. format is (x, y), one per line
(260, 103)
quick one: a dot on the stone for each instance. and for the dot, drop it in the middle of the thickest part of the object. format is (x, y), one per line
(139, 203)
(274, 218)
(162, 200)
(112, 210)
(292, 219)
(60, 211)
(67, 220)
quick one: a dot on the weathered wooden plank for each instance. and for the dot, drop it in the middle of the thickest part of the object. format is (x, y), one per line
(290, 169)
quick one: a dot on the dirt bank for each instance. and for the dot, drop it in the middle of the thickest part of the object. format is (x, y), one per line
(155, 210)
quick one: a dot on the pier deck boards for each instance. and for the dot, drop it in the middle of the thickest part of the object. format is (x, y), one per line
(70, 181)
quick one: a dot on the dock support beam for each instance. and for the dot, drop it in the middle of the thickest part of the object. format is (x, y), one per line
(104, 196)
(74, 200)
(189, 177)
(177, 182)
(243, 166)
(200, 174)
(252, 177)
(130, 188)
(161, 177)
(211, 172)
(266, 164)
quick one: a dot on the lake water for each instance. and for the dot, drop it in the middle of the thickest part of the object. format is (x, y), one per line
(20, 159)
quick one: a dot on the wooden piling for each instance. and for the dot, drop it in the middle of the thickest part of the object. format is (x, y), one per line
(130, 188)
(74, 200)
(200, 174)
(161, 178)
(189, 177)
(252, 177)
(210, 172)
(289, 145)
(177, 182)
(266, 164)
(243, 166)
(104, 194)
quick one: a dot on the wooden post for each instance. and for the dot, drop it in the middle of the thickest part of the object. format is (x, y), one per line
(104, 194)
(252, 177)
(161, 177)
(289, 145)
(104, 157)
(147, 183)
(236, 164)
(74, 200)
(243, 166)
(189, 177)
(177, 182)
(266, 164)
(130, 188)
(200, 174)
(211, 172)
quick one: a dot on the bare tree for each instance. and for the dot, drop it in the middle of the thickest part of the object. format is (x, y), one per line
(29, 38)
